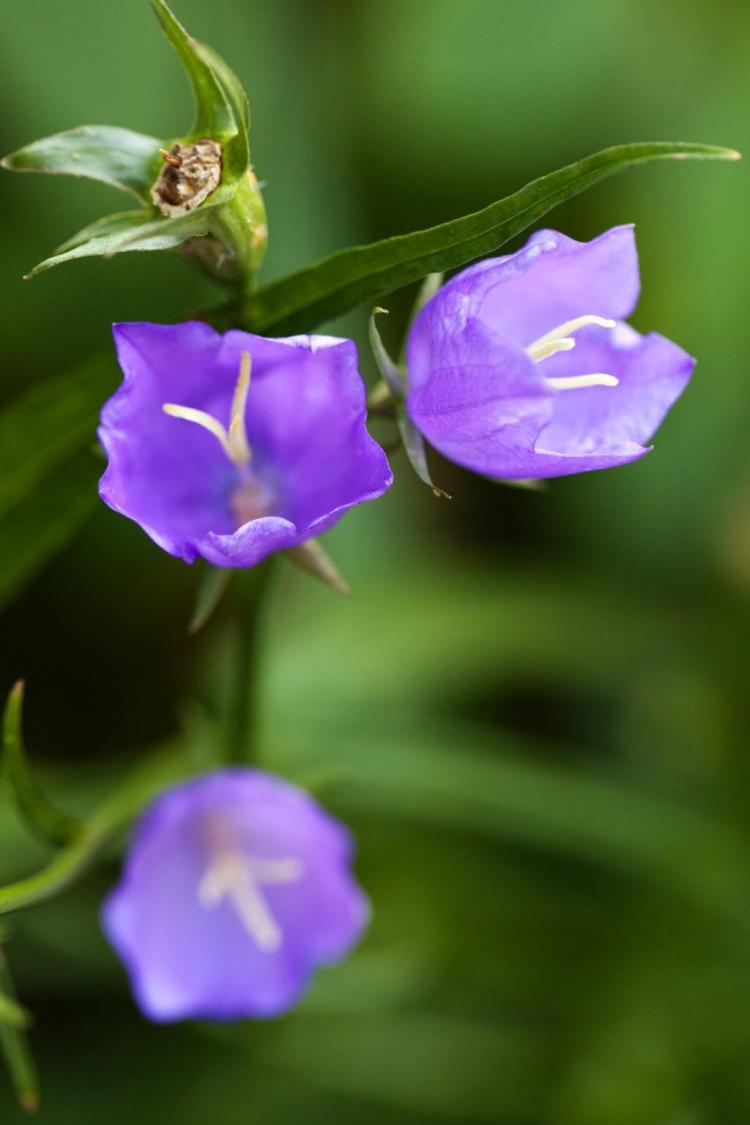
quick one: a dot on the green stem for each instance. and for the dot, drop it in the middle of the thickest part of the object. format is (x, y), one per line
(241, 738)
(15, 1047)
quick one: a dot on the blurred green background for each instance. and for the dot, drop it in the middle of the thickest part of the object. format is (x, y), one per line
(533, 710)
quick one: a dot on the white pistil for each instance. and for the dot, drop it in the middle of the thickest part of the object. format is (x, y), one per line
(234, 439)
(239, 879)
(560, 339)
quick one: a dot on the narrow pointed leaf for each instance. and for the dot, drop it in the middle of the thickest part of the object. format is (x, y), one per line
(115, 814)
(15, 1047)
(118, 157)
(12, 1013)
(214, 117)
(47, 473)
(33, 532)
(39, 813)
(213, 586)
(44, 426)
(129, 231)
(334, 286)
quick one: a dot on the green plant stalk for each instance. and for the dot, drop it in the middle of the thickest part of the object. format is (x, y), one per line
(15, 1047)
(250, 592)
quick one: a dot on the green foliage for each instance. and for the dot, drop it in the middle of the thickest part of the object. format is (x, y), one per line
(320, 292)
(213, 116)
(232, 213)
(543, 759)
(14, 1042)
(38, 812)
(118, 157)
(129, 230)
(47, 472)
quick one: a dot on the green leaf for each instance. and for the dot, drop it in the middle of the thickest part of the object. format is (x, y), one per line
(12, 1013)
(42, 427)
(41, 815)
(462, 776)
(128, 231)
(47, 472)
(15, 1047)
(121, 221)
(214, 118)
(35, 530)
(118, 157)
(115, 814)
(334, 286)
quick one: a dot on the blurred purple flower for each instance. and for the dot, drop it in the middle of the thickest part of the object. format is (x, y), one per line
(522, 367)
(236, 888)
(231, 447)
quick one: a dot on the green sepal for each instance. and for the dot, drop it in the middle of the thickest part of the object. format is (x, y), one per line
(237, 148)
(213, 115)
(38, 812)
(415, 448)
(394, 375)
(327, 289)
(414, 444)
(119, 157)
(14, 1042)
(211, 589)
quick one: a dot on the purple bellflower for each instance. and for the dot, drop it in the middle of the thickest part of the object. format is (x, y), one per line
(522, 366)
(236, 888)
(232, 447)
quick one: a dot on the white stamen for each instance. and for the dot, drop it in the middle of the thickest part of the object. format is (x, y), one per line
(233, 440)
(551, 342)
(539, 351)
(238, 442)
(561, 340)
(239, 879)
(576, 382)
(201, 418)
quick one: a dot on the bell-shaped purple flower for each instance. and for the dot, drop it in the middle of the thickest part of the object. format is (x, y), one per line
(236, 888)
(231, 447)
(522, 366)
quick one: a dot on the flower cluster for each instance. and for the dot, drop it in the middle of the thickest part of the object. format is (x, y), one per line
(233, 447)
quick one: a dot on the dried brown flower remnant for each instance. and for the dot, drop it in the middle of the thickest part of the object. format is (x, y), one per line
(190, 174)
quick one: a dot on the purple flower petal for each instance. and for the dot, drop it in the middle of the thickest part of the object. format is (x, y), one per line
(288, 903)
(489, 400)
(312, 457)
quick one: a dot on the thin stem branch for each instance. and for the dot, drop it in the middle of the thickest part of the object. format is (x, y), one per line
(249, 591)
